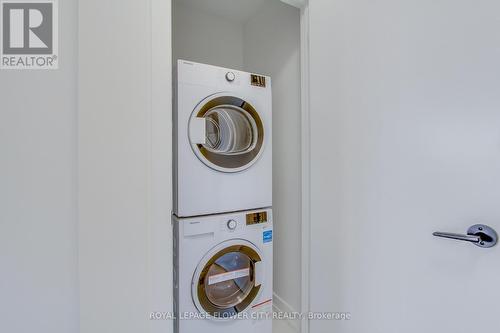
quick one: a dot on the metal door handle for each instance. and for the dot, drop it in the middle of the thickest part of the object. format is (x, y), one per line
(467, 238)
(479, 234)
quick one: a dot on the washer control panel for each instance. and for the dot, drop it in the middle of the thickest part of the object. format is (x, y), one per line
(239, 222)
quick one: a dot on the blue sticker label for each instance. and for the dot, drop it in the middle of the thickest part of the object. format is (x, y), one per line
(268, 236)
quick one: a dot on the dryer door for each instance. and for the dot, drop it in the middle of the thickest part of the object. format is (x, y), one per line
(228, 279)
(226, 133)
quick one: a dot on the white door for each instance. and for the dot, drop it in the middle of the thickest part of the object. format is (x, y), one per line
(405, 141)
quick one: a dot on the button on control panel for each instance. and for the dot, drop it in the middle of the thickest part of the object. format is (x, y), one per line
(230, 76)
(232, 224)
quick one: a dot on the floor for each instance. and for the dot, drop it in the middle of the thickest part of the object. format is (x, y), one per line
(280, 326)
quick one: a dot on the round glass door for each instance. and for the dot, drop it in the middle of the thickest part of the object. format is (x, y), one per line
(230, 130)
(234, 133)
(225, 285)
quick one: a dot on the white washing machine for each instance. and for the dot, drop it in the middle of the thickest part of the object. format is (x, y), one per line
(222, 140)
(223, 273)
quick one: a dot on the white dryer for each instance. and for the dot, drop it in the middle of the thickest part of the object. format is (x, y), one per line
(222, 140)
(223, 273)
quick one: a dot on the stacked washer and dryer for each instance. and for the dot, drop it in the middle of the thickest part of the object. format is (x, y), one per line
(223, 224)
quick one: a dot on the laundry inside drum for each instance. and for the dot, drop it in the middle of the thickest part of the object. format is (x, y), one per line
(231, 291)
(230, 130)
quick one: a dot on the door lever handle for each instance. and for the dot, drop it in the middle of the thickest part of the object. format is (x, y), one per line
(479, 234)
(467, 238)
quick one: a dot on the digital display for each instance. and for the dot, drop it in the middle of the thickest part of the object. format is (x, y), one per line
(256, 218)
(258, 80)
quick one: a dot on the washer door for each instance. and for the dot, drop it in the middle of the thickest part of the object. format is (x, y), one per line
(226, 133)
(228, 279)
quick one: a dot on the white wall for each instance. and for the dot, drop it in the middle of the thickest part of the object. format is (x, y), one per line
(124, 165)
(272, 47)
(160, 241)
(38, 207)
(204, 37)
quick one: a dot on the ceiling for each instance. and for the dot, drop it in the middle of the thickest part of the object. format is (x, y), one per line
(235, 10)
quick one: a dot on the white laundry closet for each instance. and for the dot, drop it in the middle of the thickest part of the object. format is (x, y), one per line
(259, 36)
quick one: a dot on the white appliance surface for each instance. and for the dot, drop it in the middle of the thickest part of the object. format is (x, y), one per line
(218, 183)
(203, 244)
